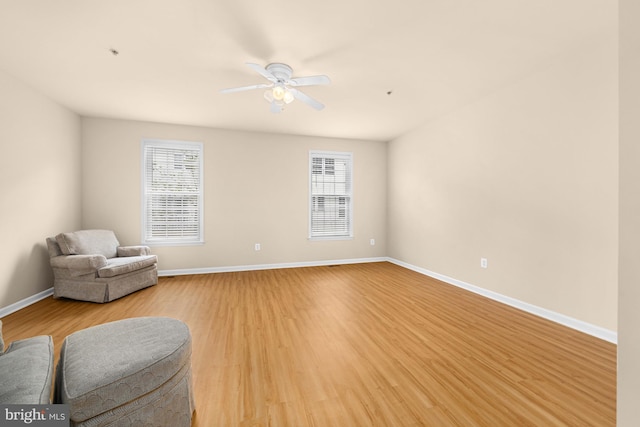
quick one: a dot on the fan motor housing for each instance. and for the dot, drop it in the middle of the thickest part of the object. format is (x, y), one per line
(281, 71)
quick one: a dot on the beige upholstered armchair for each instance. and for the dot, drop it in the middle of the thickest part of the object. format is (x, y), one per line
(90, 265)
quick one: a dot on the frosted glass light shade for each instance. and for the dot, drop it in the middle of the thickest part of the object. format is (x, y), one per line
(278, 92)
(288, 97)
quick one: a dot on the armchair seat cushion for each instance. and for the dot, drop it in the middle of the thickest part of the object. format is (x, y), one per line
(123, 265)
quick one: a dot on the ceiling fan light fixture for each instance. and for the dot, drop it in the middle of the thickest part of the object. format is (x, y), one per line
(288, 97)
(279, 92)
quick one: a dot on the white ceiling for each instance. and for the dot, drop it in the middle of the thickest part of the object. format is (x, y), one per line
(175, 56)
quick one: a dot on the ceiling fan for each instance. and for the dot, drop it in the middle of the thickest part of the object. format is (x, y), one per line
(282, 88)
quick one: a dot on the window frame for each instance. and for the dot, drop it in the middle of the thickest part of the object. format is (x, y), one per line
(344, 202)
(196, 238)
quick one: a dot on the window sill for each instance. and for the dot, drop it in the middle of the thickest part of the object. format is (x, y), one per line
(321, 238)
(173, 243)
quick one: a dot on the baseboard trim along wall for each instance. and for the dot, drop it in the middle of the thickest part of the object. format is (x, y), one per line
(5, 311)
(235, 268)
(587, 328)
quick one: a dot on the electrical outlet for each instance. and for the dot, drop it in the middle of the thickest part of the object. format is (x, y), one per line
(372, 242)
(484, 263)
(257, 247)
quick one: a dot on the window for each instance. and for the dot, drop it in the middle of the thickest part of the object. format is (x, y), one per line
(330, 204)
(171, 192)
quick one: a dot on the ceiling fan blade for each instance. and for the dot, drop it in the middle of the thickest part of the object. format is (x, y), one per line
(306, 99)
(262, 71)
(309, 81)
(243, 88)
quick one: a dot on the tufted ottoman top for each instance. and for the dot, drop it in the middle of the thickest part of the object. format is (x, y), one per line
(108, 365)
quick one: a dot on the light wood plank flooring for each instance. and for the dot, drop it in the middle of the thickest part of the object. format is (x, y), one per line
(360, 345)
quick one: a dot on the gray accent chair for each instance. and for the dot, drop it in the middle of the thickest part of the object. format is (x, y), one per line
(26, 371)
(90, 265)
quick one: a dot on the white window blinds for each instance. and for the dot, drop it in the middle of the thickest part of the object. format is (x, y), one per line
(330, 195)
(172, 192)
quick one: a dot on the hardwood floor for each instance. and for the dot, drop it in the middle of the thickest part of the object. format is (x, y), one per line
(358, 345)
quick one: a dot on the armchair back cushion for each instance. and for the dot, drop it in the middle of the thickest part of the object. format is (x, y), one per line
(89, 242)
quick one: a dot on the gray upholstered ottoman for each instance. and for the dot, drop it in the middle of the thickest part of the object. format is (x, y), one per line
(132, 372)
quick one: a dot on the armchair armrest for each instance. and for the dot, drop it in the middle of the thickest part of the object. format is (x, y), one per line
(79, 265)
(138, 250)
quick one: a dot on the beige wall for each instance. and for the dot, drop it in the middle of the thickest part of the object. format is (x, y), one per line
(256, 189)
(39, 185)
(629, 286)
(525, 177)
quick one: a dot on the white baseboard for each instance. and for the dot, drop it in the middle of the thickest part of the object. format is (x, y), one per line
(5, 311)
(235, 268)
(596, 331)
(587, 328)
